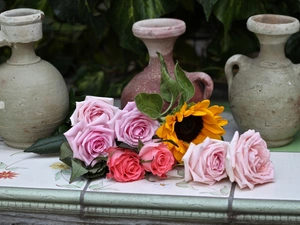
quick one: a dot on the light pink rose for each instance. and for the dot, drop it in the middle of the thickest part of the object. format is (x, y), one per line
(248, 160)
(157, 158)
(132, 125)
(124, 165)
(94, 110)
(205, 162)
(89, 142)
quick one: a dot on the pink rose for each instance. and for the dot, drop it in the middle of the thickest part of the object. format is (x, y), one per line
(89, 142)
(157, 158)
(124, 165)
(132, 125)
(248, 160)
(205, 162)
(94, 110)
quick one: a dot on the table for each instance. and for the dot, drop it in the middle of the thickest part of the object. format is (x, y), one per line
(36, 191)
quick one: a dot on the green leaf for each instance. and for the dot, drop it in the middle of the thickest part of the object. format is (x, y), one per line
(48, 145)
(77, 169)
(123, 14)
(208, 6)
(66, 154)
(149, 104)
(184, 85)
(168, 86)
(228, 11)
(79, 11)
(140, 145)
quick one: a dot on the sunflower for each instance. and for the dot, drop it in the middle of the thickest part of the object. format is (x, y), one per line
(193, 123)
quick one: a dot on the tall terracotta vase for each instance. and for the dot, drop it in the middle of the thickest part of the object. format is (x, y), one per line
(33, 94)
(265, 93)
(159, 35)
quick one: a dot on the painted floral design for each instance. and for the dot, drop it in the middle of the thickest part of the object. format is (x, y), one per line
(8, 175)
(59, 166)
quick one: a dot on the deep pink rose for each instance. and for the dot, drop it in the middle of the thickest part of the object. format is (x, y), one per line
(157, 158)
(205, 162)
(89, 142)
(248, 160)
(132, 125)
(94, 110)
(124, 165)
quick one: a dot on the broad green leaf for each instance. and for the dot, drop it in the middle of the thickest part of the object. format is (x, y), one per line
(66, 154)
(208, 6)
(48, 145)
(80, 11)
(123, 14)
(168, 86)
(73, 11)
(228, 11)
(184, 85)
(149, 104)
(77, 170)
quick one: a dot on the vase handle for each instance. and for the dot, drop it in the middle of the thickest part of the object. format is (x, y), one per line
(203, 85)
(238, 60)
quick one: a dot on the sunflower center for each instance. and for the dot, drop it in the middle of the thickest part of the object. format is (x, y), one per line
(189, 128)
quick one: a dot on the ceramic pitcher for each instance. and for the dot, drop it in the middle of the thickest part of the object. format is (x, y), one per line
(33, 94)
(159, 35)
(264, 94)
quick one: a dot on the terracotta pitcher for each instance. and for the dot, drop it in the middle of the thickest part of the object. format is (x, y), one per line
(159, 35)
(264, 94)
(33, 94)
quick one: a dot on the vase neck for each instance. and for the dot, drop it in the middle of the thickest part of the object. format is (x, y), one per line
(163, 45)
(22, 54)
(272, 47)
(154, 62)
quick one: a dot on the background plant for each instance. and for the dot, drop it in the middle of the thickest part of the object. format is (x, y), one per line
(92, 45)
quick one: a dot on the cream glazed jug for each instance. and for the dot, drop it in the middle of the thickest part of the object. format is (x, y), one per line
(264, 94)
(33, 95)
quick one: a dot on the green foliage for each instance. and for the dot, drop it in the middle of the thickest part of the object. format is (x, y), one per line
(171, 90)
(78, 167)
(208, 6)
(91, 43)
(49, 145)
(123, 14)
(149, 104)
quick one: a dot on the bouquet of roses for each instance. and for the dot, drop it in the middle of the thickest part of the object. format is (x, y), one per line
(150, 135)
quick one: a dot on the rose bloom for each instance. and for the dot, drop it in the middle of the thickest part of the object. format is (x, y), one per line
(131, 126)
(89, 142)
(94, 110)
(205, 162)
(248, 160)
(124, 165)
(157, 158)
